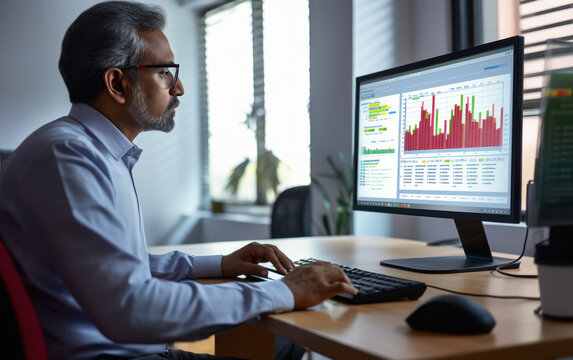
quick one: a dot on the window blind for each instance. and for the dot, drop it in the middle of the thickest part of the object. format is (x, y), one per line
(540, 21)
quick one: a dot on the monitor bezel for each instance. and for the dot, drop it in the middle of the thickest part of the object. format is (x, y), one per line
(517, 43)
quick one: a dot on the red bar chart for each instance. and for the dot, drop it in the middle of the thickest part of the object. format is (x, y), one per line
(455, 125)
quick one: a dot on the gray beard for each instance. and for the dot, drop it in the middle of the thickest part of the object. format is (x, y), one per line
(140, 112)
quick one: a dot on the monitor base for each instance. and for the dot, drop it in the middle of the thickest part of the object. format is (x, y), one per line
(448, 264)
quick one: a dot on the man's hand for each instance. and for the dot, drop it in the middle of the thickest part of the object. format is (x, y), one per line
(313, 283)
(244, 261)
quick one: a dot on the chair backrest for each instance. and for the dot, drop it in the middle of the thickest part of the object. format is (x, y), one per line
(291, 215)
(4, 156)
(25, 326)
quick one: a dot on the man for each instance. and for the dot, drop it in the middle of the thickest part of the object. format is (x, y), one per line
(70, 216)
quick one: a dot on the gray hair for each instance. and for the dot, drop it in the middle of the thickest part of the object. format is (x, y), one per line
(105, 36)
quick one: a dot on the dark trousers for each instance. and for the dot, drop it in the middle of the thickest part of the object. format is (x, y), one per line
(284, 350)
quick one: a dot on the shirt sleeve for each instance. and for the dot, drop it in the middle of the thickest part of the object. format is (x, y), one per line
(177, 265)
(74, 215)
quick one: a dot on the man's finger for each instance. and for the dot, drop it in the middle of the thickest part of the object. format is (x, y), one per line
(349, 288)
(284, 260)
(269, 254)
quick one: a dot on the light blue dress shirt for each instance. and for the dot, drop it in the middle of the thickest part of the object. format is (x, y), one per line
(70, 216)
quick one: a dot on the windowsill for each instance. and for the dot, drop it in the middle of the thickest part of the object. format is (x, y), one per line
(241, 209)
(239, 214)
(207, 226)
(235, 222)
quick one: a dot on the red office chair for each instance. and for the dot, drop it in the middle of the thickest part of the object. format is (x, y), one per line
(17, 304)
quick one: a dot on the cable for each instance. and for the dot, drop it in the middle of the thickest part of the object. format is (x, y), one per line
(503, 266)
(498, 269)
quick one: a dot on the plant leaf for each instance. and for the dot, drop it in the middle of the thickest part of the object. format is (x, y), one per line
(269, 171)
(236, 175)
(326, 224)
(339, 210)
(325, 197)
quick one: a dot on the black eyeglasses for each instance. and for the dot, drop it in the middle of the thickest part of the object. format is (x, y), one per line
(169, 67)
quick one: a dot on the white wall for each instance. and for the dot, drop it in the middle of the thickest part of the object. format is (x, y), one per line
(330, 88)
(33, 94)
(204, 226)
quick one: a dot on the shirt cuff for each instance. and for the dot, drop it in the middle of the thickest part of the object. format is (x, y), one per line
(280, 295)
(205, 266)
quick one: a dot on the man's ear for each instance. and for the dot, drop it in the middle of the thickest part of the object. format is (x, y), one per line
(115, 84)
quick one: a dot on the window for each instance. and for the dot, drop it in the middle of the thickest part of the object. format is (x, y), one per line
(256, 92)
(538, 21)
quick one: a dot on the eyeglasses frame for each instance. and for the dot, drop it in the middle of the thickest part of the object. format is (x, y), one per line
(156, 66)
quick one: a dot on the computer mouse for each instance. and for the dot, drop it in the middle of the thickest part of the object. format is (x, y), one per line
(451, 314)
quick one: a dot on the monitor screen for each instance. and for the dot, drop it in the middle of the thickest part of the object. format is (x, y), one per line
(442, 137)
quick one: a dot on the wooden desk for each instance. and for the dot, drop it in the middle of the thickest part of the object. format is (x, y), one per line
(378, 331)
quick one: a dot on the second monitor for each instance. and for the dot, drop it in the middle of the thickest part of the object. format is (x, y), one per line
(442, 138)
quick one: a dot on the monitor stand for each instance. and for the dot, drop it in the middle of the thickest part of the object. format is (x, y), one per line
(478, 255)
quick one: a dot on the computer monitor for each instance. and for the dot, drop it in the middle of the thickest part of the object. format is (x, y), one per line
(442, 138)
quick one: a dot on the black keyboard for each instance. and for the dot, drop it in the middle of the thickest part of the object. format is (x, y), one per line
(373, 287)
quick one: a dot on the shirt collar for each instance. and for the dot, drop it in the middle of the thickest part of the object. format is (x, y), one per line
(107, 133)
